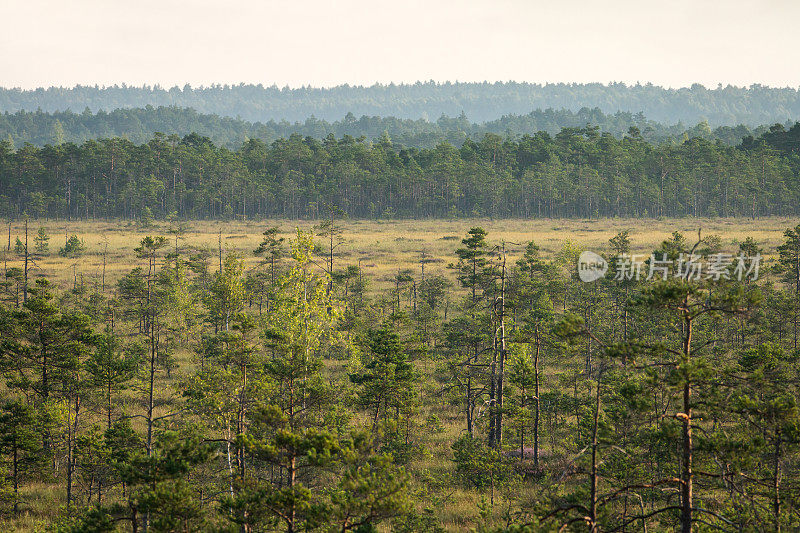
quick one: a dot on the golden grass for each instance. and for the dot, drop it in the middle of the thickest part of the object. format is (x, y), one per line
(381, 247)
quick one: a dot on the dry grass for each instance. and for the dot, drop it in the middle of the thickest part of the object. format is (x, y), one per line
(381, 247)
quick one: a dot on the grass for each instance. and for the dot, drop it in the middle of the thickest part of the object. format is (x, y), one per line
(380, 247)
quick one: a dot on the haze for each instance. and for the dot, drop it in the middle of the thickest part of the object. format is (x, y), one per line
(319, 43)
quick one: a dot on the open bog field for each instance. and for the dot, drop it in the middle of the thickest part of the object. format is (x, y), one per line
(380, 247)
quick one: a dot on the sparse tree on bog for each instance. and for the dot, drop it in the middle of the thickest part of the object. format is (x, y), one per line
(42, 242)
(74, 247)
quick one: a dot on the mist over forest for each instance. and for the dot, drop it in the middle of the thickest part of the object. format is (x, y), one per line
(724, 105)
(138, 125)
(552, 162)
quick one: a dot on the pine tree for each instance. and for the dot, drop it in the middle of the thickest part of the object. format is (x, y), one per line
(110, 370)
(21, 443)
(387, 380)
(42, 240)
(468, 335)
(789, 259)
(285, 433)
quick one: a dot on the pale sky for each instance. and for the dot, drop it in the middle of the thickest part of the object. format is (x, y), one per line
(322, 43)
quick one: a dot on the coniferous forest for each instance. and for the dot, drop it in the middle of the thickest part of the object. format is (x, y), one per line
(484, 101)
(140, 124)
(513, 266)
(154, 383)
(579, 172)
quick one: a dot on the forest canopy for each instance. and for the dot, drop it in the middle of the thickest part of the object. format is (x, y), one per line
(140, 124)
(579, 172)
(723, 105)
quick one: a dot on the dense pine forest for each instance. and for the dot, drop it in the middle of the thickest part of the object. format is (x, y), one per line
(500, 394)
(723, 105)
(579, 172)
(138, 125)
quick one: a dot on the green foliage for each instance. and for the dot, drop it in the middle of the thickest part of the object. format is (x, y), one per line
(110, 370)
(20, 439)
(225, 298)
(74, 247)
(479, 465)
(42, 240)
(387, 380)
(158, 485)
(273, 439)
(44, 347)
(91, 520)
(371, 490)
(575, 172)
(145, 217)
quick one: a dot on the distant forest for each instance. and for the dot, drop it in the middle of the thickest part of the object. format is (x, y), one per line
(480, 102)
(579, 172)
(138, 125)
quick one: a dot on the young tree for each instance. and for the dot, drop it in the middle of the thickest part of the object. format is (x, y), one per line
(226, 388)
(20, 442)
(767, 402)
(42, 241)
(387, 380)
(225, 298)
(284, 433)
(480, 465)
(789, 260)
(43, 350)
(295, 450)
(19, 247)
(74, 247)
(148, 293)
(271, 248)
(529, 300)
(370, 489)
(468, 335)
(522, 376)
(159, 495)
(110, 370)
(333, 231)
(687, 304)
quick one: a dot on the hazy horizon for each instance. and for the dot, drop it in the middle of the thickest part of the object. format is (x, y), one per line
(324, 44)
(182, 86)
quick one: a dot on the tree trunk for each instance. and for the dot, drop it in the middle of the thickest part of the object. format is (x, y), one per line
(536, 404)
(687, 475)
(502, 355)
(776, 481)
(593, 475)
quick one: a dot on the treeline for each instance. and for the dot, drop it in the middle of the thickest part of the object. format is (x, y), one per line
(579, 172)
(195, 395)
(138, 125)
(481, 102)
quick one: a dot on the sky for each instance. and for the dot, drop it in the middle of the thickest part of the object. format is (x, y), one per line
(293, 43)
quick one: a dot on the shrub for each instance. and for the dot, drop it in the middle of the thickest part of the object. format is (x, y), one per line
(73, 248)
